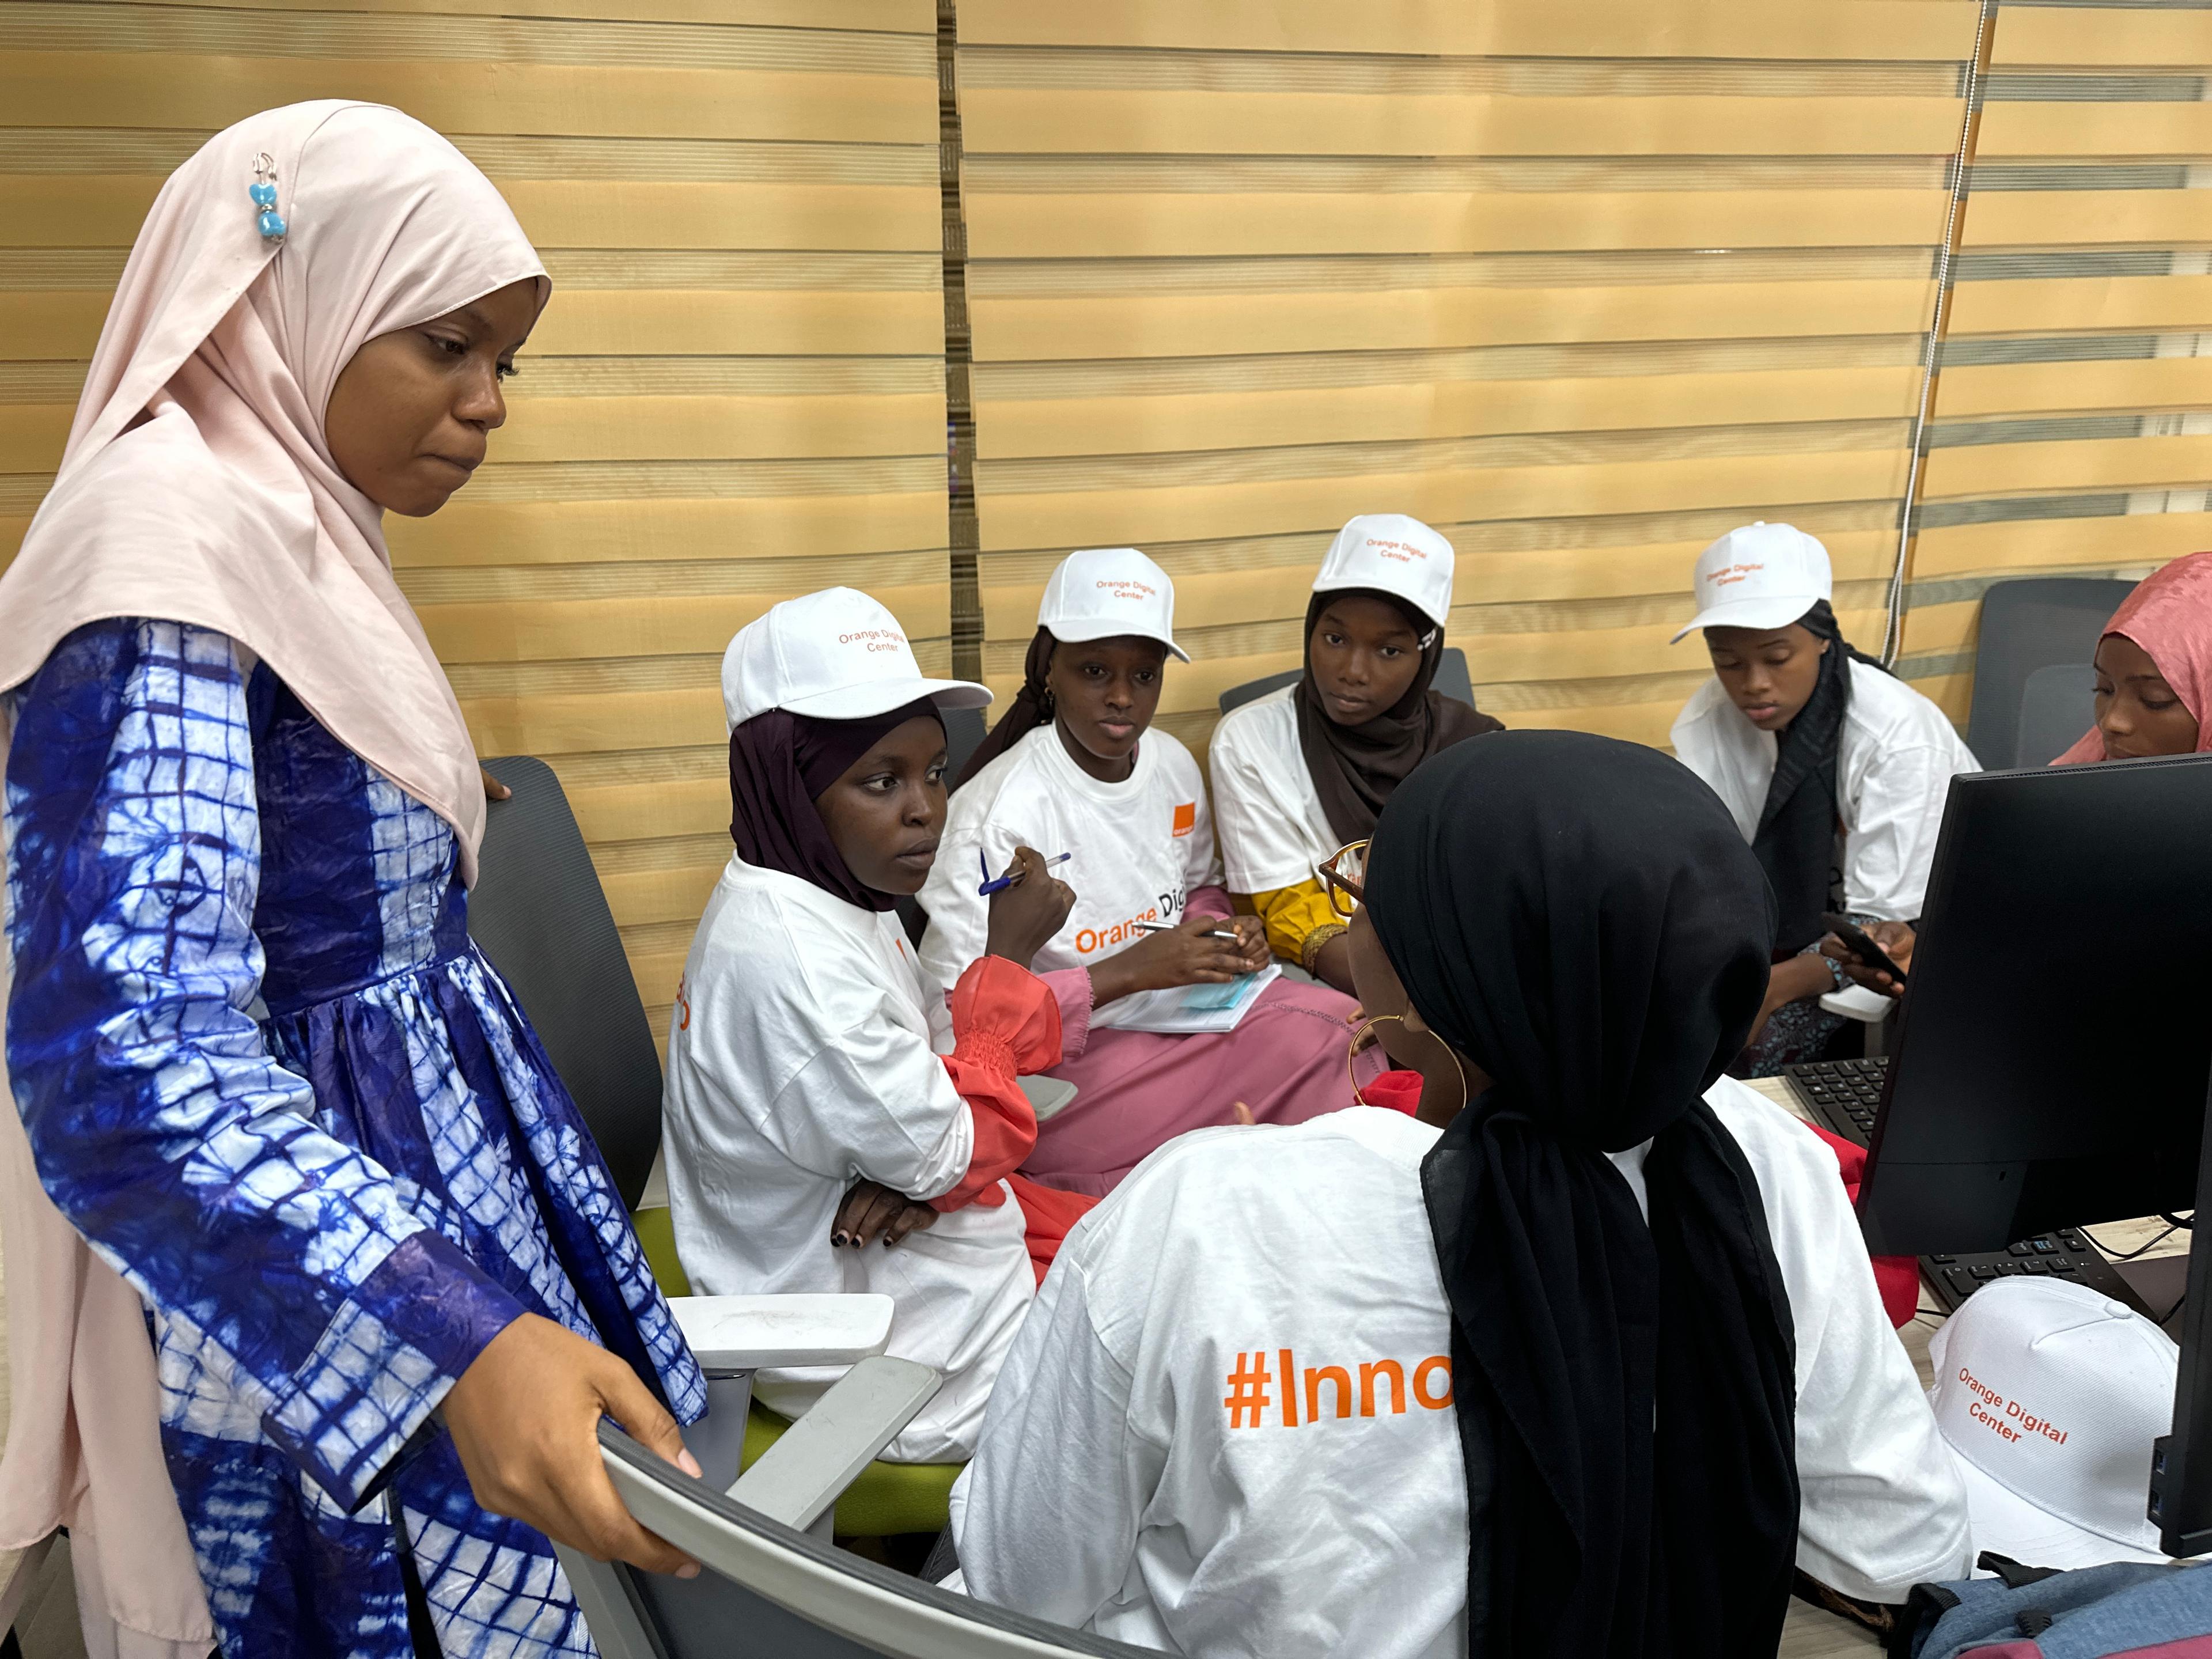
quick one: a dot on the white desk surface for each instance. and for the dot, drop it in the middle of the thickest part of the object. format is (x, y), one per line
(1810, 1633)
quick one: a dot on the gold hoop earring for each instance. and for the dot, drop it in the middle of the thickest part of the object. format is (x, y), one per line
(1367, 1025)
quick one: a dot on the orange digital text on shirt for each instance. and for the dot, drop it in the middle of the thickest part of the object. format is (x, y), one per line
(1325, 1393)
(1088, 939)
(1186, 818)
(683, 1004)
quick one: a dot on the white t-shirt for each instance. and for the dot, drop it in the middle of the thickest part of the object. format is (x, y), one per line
(1139, 1475)
(1274, 831)
(1894, 763)
(803, 1053)
(1141, 847)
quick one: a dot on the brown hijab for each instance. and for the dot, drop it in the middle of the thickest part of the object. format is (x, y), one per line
(1355, 768)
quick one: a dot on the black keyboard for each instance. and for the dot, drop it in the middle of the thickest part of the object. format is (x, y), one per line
(1845, 1096)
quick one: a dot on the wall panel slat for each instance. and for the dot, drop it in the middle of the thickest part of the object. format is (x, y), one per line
(2072, 426)
(1583, 285)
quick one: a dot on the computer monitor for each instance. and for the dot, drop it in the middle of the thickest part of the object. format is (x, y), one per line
(2055, 1044)
(2052, 1054)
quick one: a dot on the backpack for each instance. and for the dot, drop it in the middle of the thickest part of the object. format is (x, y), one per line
(2126, 1610)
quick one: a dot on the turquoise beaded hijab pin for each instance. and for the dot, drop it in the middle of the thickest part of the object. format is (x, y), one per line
(263, 190)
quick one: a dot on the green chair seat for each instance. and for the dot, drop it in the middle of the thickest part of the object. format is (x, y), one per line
(888, 1497)
(656, 1231)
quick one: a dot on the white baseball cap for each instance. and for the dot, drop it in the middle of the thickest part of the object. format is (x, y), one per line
(1392, 554)
(837, 655)
(1105, 592)
(1763, 575)
(2049, 1394)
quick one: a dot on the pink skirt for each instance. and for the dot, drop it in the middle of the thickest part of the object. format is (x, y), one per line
(1136, 1090)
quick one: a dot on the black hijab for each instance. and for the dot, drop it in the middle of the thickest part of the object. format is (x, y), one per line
(1581, 918)
(779, 764)
(1355, 768)
(1796, 837)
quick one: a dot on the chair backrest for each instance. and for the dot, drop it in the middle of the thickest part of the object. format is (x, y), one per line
(790, 1593)
(1452, 679)
(2025, 626)
(2058, 704)
(963, 734)
(1252, 691)
(537, 912)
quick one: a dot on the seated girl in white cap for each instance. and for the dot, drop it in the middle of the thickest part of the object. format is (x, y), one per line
(1836, 772)
(812, 1106)
(1073, 768)
(1304, 771)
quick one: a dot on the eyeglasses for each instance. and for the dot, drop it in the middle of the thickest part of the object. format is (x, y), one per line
(1344, 878)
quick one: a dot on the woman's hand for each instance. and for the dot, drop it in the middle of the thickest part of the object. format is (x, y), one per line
(525, 1417)
(1199, 951)
(1896, 939)
(871, 1208)
(493, 788)
(1025, 916)
(1252, 937)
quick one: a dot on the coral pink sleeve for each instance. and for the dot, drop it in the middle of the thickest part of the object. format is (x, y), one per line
(1005, 1021)
(1209, 902)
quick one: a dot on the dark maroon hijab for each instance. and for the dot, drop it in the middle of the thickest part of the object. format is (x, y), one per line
(779, 764)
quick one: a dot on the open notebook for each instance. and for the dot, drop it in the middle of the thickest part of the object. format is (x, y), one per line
(1188, 1008)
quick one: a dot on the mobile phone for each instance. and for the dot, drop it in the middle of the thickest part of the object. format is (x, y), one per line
(1868, 953)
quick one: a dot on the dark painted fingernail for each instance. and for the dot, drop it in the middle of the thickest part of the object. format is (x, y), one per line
(839, 1238)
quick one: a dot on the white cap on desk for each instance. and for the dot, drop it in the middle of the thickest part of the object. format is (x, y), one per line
(2051, 1394)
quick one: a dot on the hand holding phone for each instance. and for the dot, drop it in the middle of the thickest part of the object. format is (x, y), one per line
(1870, 954)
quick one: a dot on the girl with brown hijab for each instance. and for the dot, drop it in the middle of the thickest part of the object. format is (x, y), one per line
(1307, 769)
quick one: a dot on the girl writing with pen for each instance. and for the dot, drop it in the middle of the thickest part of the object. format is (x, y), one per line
(1076, 766)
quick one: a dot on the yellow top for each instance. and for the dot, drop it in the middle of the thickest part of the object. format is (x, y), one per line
(1299, 921)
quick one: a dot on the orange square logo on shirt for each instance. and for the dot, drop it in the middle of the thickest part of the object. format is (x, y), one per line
(1186, 818)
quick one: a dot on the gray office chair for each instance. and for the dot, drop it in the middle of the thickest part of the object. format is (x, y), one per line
(770, 1590)
(2058, 704)
(2027, 625)
(539, 913)
(1452, 679)
(963, 734)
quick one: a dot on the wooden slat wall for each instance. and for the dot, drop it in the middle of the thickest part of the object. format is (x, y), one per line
(1583, 285)
(2070, 430)
(737, 395)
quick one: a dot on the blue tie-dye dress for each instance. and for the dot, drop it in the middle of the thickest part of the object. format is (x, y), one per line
(265, 1071)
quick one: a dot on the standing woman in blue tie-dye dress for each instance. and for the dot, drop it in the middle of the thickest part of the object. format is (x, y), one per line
(261, 1070)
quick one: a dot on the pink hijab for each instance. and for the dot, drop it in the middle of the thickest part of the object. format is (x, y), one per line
(198, 487)
(2170, 616)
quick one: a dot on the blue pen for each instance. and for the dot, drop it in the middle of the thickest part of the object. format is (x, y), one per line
(999, 884)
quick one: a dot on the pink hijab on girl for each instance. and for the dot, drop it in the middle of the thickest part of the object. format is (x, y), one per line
(198, 486)
(2169, 615)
